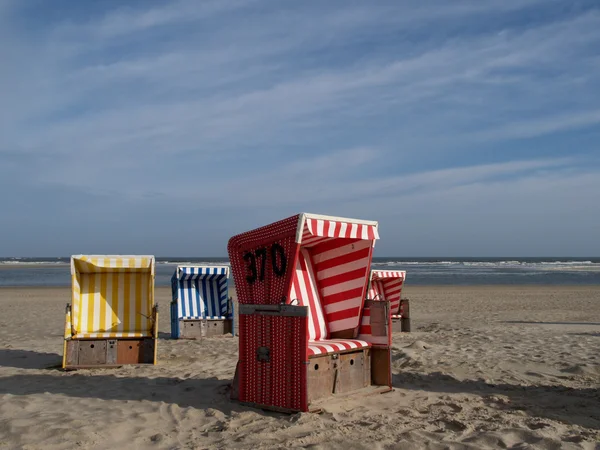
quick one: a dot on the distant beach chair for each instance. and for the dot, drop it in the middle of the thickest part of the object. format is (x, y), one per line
(387, 285)
(306, 331)
(201, 305)
(112, 319)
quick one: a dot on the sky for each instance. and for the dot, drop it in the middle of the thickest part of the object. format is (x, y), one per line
(465, 128)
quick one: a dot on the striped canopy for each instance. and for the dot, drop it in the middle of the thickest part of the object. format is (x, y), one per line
(318, 261)
(112, 296)
(201, 292)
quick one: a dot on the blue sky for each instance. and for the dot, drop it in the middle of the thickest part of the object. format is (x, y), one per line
(466, 128)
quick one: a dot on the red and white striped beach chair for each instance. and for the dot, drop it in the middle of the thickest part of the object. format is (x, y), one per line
(306, 331)
(387, 285)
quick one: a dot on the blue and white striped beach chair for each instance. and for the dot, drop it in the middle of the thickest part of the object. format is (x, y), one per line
(201, 305)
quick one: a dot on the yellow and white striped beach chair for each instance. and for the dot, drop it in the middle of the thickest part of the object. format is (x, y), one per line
(112, 319)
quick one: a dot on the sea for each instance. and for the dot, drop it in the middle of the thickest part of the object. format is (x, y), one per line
(15, 271)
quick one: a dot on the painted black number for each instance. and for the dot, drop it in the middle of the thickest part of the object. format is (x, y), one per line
(278, 263)
(262, 254)
(251, 259)
(278, 269)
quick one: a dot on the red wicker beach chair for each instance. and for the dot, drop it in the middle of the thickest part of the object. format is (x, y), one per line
(306, 331)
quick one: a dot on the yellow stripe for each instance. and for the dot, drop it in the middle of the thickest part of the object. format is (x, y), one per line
(84, 280)
(89, 293)
(75, 302)
(115, 301)
(64, 361)
(126, 300)
(138, 301)
(103, 299)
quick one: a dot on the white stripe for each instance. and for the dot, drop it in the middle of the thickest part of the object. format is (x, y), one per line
(120, 299)
(342, 306)
(343, 229)
(311, 274)
(365, 232)
(194, 292)
(320, 226)
(344, 250)
(343, 287)
(340, 269)
(353, 231)
(375, 233)
(329, 348)
(315, 350)
(304, 299)
(331, 231)
(184, 295)
(179, 299)
(344, 324)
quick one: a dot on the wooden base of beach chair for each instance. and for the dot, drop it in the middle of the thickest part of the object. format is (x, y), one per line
(196, 329)
(401, 325)
(89, 353)
(338, 373)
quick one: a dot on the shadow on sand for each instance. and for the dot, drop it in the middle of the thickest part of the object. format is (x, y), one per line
(102, 384)
(561, 403)
(592, 324)
(26, 359)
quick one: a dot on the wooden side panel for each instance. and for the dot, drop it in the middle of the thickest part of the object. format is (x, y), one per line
(405, 324)
(72, 353)
(379, 318)
(92, 353)
(381, 367)
(321, 377)
(111, 352)
(148, 351)
(216, 327)
(192, 329)
(354, 371)
(129, 351)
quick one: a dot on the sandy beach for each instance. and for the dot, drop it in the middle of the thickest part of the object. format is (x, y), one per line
(485, 367)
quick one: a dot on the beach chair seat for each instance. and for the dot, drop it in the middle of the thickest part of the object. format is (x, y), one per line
(142, 334)
(331, 346)
(301, 285)
(201, 306)
(112, 318)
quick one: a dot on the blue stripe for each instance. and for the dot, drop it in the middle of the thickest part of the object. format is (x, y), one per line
(209, 312)
(198, 299)
(213, 297)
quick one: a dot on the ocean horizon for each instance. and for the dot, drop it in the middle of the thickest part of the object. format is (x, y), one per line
(421, 271)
